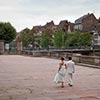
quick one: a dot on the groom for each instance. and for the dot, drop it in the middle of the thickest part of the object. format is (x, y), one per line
(70, 66)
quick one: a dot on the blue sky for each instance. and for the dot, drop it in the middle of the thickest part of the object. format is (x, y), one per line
(28, 13)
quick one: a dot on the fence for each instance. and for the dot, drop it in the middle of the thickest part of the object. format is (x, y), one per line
(92, 60)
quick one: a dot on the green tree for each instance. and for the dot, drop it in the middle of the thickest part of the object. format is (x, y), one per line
(59, 39)
(78, 39)
(69, 40)
(73, 39)
(7, 32)
(32, 36)
(86, 39)
(46, 38)
(24, 36)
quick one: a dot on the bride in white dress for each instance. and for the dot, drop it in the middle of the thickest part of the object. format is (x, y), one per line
(59, 77)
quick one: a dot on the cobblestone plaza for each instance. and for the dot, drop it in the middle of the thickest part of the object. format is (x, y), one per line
(31, 78)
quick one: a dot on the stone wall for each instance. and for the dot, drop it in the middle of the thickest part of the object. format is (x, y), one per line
(1, 47)
(91, 60)
(19, 47)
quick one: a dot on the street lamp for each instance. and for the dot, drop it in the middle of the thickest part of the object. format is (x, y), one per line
(95, 40)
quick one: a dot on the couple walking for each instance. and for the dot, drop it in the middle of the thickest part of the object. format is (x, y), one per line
(65, 68)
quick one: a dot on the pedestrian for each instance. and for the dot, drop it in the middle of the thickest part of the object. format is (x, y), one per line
(59, 77)
(70, 67)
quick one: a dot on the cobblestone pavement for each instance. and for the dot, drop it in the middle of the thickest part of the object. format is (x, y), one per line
(29, 78)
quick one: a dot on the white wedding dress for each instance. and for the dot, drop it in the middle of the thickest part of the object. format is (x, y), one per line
(59, 77)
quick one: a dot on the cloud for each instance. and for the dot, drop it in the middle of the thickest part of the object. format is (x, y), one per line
(27, 13)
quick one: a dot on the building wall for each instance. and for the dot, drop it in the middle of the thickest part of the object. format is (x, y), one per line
(78, 27)
(97, 40)
(98, 29)
(89, 23)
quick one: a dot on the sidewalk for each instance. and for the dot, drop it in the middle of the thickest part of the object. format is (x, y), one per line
(31, 78)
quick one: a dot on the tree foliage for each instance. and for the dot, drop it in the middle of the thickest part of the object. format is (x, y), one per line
(46, 38)
(32, 36)
(78, 39)
(59, 39)
(25, 37)
(86, 39)
(7, 32)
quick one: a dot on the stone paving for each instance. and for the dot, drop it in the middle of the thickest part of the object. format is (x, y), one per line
(31, 78)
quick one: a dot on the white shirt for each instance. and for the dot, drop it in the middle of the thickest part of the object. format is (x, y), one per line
(70, 66)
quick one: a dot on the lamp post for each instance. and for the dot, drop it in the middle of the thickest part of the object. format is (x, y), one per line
(94, 37)
(95, 41)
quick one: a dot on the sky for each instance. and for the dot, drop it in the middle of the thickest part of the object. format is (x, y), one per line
(28, 13)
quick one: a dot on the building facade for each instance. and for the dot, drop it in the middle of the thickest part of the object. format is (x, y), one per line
(86, 23)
